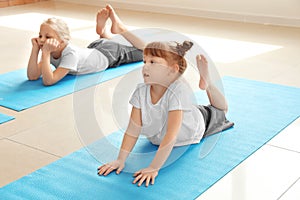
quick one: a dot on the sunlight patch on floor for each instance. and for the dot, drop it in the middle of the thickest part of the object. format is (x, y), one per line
(90, 34)
(32, 21)
(228, 51)
(219, 49)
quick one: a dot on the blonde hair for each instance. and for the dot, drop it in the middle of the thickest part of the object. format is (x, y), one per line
(172, 52)
(60, 27)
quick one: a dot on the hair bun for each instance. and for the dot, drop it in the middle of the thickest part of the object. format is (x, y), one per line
(184, 47)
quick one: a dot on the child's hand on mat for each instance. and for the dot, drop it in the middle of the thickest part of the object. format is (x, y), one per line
(51, 45)
(147, 174)
(109, 167)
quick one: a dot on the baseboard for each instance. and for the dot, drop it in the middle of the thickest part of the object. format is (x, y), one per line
(194, 12)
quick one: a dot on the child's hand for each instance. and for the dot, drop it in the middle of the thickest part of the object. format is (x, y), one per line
(35, 44)
(51, 45)
(148, 174)
(109, 167)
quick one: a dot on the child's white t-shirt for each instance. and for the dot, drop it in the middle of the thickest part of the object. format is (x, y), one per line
(81, 60)
(179, 96)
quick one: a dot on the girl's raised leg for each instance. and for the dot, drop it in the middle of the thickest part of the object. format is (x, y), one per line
(216, 98)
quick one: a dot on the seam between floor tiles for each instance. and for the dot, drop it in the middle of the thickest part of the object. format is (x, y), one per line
(22, 130)
(37, 149)
(291, 150)
(289, 188)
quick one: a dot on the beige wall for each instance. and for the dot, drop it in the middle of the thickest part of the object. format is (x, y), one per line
(277, 12)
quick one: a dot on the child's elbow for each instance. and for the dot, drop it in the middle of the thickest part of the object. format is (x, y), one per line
(32, 78)
(48, 82)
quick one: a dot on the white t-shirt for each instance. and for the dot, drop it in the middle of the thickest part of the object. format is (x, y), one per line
(80, 60)
(154, 116)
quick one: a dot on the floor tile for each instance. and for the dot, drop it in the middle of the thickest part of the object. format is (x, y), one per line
(18, 160)
(289, 137)
(39, 114)
(59, 139)
(267, 174)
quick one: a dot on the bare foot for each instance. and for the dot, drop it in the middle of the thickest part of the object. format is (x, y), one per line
(117, 25)
(102, 17)
(203, 70)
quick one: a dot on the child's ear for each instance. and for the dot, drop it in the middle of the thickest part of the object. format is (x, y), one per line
(175, 67)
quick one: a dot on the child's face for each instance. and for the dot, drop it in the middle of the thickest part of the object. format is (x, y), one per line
(156, 70)
(46, 32)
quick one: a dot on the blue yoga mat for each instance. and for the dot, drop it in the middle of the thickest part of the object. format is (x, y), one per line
(5, 118)
(17, 93)
(259, 111)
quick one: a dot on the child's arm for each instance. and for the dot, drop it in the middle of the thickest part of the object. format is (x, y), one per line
(51, 77)
(33, 69)
(130, 137)
(163, 152)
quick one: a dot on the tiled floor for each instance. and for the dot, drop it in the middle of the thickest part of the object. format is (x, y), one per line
(44, 133)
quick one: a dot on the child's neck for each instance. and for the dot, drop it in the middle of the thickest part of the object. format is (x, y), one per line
(156, 92)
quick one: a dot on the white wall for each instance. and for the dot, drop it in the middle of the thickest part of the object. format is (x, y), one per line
(276, 12)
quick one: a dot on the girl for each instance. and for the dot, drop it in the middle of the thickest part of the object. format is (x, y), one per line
(163, 111)
(53, 41)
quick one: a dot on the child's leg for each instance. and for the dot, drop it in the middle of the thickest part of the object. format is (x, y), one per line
(118, 27)
(216, 98)
(101, 28)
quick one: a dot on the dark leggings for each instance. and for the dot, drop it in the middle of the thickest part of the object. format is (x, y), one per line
(117, 53)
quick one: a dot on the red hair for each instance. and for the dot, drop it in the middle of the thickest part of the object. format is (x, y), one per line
(172, 52)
